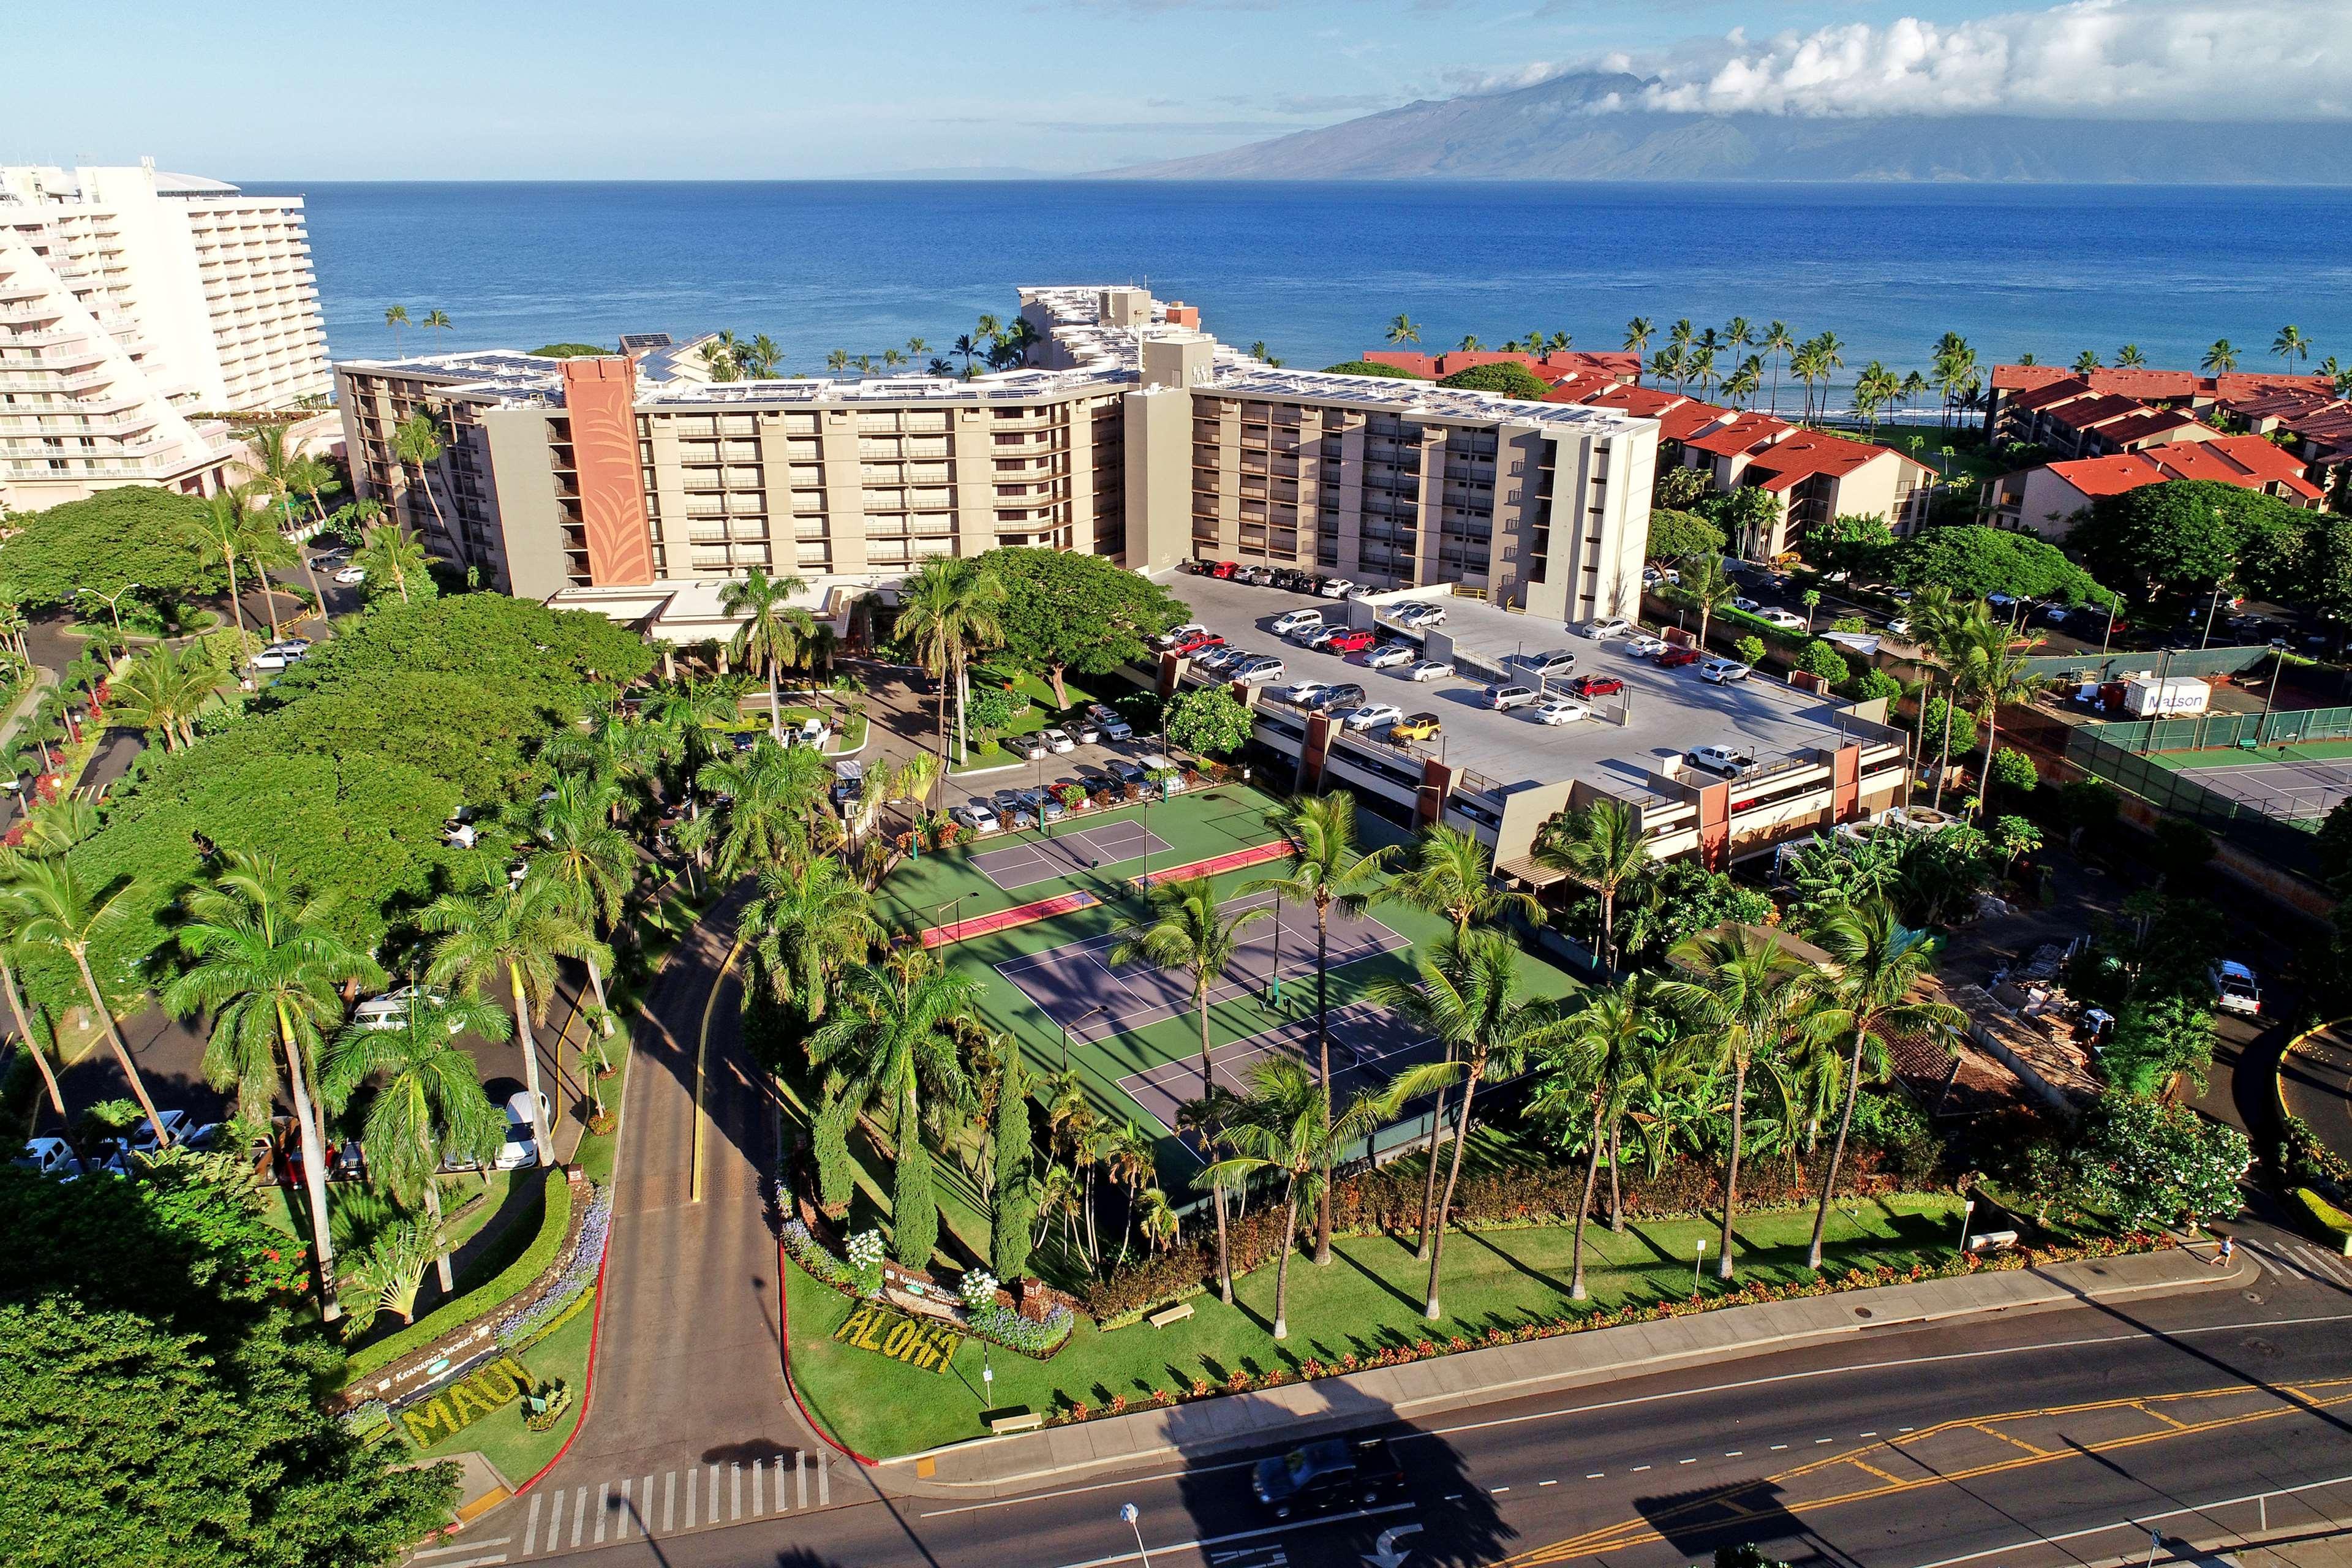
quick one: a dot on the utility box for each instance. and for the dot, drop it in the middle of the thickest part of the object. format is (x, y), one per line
(2173, 697)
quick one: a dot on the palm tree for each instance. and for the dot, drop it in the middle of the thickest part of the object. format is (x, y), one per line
(1598, 1064)
(1880, 962)
(2128, 357)
(1603, 846)
(951, 609)
(2086, 362)
(1997, 672)
(390, 552)
(1452, 874)
(1403, 330)
(1285, 1127)
(912, 782)
(45, 908)
(1830, 354)
(1329, 872)
(1808, 364)
(837, 360)
(1777, 342)
(593, 861)
(429, 1108)
(810, 922)
(511, 932)
(1708, 587)
(2291, 345)
(767, 811)
(691, 720)
(396, 316)
(615, 751)
(436, 320)
(1637, 334)
(894, 1043)
(772, 634)
(1748, 993)
(761, 356)
(2222, 358)
(9, 958)
(265, 546)
(162, 691)
(416, 443)
(221, 526)
(265, 963)
(1469, 1000)
(1942, 628)
(1191, 934)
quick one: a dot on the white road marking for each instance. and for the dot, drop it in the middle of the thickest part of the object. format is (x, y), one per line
(1821, 1441)
(579, 1514)
(621, 1519)
(1870, 1434)
(646, 1506)
(800, 1481)
(1733, 1453)
(758, 1470)
(1496, 1491)
(1202, 1544)
(690, 1495)
(1778, 1446)
(461, 1546)
(530, 1524)
(823, 1482)
(1686, 1461)
(669, 1499)
(1639, 1468)
(603, 1508)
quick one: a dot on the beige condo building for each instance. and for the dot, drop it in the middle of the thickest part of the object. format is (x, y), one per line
(135, 305)
(1131, 434)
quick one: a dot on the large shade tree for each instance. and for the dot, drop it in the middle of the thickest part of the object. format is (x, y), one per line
(1067, 614)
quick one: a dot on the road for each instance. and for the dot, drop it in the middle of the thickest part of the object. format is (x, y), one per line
(1902, 1449)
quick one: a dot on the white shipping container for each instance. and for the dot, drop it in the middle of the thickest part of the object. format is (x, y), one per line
(2170, 698)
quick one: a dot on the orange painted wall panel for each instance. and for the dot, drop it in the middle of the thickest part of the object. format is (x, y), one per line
(600, 394)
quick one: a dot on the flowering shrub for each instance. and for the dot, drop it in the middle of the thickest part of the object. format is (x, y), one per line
(977, 1290)
(821, 1265)
(1003, 1326)
(866, 1250)
(527, 1325)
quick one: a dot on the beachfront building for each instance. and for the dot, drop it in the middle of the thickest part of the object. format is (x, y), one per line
(2049, 500)
(137, 308)
(2183, 390)
(616, 483)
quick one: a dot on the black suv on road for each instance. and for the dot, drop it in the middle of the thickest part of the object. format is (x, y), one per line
(1333, 1474)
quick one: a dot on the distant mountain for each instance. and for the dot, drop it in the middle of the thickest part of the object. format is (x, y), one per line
(1552, 131)
(964, 172)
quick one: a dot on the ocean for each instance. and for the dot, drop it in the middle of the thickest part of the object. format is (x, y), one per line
(1316, 271)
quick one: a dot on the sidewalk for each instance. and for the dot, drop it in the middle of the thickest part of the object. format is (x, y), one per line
(995, 1467)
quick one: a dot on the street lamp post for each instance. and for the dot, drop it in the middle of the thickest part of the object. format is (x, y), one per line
(987, 1379)
(1273, 959)
(1698, 1265)
(110, 600)
(1127, 1511)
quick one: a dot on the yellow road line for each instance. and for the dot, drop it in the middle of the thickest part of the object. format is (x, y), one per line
(2005, 1437)
(1632, 1532)
(702, 1051)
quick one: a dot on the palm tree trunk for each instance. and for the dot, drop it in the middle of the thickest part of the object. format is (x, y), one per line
(1984, 779)
(1282, 1263)
(269, 602)
(1429, 1177)
(1323, 1053)
(538, 1136)
(1837, 1152)
(775, 704)
(1616, 1192)
(440, 1243)
(121, 1051)
(24, 1033)
(1452, 1175)
(1731, 1169)
(314, 1167)
(604, 1011)
(1944, 757)
(1208, 1078)
(1224, 1252)
(1576, 1291)
(235, 605)
(1608, 927)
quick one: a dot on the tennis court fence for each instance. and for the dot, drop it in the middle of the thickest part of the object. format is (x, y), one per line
(2272, 822)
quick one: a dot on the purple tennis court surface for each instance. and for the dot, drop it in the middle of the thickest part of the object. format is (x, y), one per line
(1078, 986)
(1369, 1046)
(1066, 853)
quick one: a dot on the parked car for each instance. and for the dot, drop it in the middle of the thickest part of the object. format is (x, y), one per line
(1355, 639)
(1503, 699)
(848, 780)
(1259, 671)
(1746, 605)
(1284, 625)
(1416, 727)
(1294, 580)
(1334, 1473)
(1724, 671)
(1675, 658)
(1596, 686)
(1560, 710)
(1058, 739)
(176, 1125)
(1256, 576)
(1011, 809)
(280, 654)
(390, 1011)
(1732, 761)
(1163, 765)
(977, 815)
(1336, 699)
(1126, 770)
(1114, 728)
(1175, 634)
(1335, 588)
(1544, 665)
(2235, 989)
(1429, 669)
(1608, 627)
(1216, 658)
(1900, 626)
(48, 1157)
(1300, 695)
(1224, 568)
(1043, 806)
(352, 576)
(519, 1152)
(1645, 646)
(1388, 655)
(1320, 636)
(1195, 643)
(1787, 620)
(1420, 615)
(1371, 716)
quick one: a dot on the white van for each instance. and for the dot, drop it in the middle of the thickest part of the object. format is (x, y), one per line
(1285, 625)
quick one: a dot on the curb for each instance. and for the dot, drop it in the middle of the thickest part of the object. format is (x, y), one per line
(784, 1267)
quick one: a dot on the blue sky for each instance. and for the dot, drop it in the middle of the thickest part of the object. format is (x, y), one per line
(596, 89)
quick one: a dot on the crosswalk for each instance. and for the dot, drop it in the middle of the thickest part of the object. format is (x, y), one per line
(651, 1506)
(2303, 1260)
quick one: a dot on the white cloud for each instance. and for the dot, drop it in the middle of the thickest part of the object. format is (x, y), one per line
(2196, 59)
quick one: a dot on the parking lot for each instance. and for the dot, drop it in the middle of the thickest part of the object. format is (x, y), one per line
(1665, 711)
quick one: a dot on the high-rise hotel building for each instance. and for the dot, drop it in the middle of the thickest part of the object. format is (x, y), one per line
(135, 308)
(1130, 434)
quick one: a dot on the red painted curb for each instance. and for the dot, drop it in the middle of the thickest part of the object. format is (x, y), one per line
(784, 1344)
(1232, 860)
(588, 1392)
(1006, 920)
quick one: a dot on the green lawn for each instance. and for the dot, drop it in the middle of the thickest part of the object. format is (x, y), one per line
(517, 1450)
(520, 1255)
(594, 1155)
(1369, 1298)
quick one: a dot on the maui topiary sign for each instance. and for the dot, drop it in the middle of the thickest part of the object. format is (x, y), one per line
(467, 1401)
(928, 1346)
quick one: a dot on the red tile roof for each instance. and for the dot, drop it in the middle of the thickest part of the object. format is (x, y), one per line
(2046, 394)
(1808, 453)
(2149, 425)
(2142, 381)
(2244, 460)
(1738, 433)
(1687, 419)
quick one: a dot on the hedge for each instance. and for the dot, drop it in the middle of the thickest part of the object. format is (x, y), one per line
(538, 1250)
(2334, 1225)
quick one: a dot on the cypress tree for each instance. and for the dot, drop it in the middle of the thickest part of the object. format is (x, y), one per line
(914, 1207)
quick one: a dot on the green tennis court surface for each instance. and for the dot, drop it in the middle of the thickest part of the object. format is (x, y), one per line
(2243, 756)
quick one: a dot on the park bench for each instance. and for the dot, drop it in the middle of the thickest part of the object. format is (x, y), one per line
(1175, 1314)
(1023, 1421)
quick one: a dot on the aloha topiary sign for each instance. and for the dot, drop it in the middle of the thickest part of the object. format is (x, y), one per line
(928, 1346)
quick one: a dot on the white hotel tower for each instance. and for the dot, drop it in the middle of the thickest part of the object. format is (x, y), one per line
(135, 308)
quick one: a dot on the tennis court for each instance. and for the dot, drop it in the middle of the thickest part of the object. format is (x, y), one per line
(1066, 853)
(2292, 788)
(1369, 1046)
(1078, 986)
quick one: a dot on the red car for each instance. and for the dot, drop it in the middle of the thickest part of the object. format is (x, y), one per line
(1355, 641)
(1675, 658)
(1196, 643)
(1596, 686)
(1224, 568)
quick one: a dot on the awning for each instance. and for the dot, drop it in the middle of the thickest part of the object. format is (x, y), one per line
(1525, 869)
